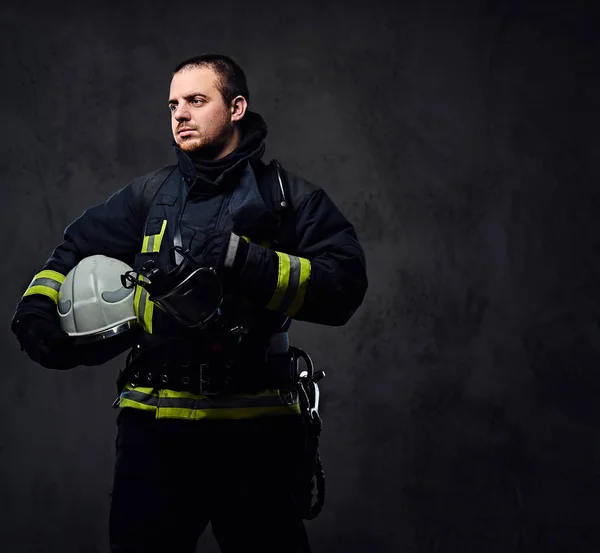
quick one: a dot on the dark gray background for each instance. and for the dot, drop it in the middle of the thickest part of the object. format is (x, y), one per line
(461, 404)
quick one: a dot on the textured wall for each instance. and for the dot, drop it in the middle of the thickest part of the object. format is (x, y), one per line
(460, 407)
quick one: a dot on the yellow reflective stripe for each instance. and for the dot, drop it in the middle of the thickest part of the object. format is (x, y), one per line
(143, 307)
(143, 398)
(246, 238)
(44, 291)
(150, 399)
(283, 278)
(142, 304)
(152, 242)
(292, 280)
(216, 413)
(158, 239)
(186, 405)
(305, 270)
(148, 312)
(60, 278)
(47, 283)
(124, 402)
(142, 389)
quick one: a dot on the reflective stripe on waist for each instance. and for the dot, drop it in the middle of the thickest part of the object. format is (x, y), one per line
(184, 405)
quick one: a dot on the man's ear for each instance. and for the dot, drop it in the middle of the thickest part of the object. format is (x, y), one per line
(239, 105)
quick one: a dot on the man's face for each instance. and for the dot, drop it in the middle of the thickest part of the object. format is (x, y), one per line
(200, 120)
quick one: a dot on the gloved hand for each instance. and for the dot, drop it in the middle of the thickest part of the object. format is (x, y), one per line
(44, 342)
(223, 251)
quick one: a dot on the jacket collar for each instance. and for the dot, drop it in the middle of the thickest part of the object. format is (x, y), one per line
(248, 210)
(252, 144)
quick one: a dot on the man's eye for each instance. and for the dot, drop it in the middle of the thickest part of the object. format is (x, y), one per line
(197, 101)
(172, 108)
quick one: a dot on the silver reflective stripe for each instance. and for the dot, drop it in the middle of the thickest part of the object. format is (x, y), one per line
(292, 288)
(279, 343)
(50, 283)
(224, 403)
(142, 305)
(234, 242)
(139, 397)
(150, 247)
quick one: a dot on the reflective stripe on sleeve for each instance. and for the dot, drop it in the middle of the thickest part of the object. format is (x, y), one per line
(292, 280)
(283, 278)
(298, 301)
(151, 243)
(234, 241)
(46, 283)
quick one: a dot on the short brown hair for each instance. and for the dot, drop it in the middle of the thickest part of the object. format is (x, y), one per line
(231, 80)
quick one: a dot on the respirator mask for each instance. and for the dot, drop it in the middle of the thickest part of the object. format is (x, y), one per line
(190, 293)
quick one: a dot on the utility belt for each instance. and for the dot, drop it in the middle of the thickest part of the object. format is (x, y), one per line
(207, 370)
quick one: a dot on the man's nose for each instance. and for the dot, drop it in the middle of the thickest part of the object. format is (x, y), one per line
(181, 113)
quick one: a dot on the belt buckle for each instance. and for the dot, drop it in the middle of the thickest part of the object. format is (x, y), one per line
(204, 381)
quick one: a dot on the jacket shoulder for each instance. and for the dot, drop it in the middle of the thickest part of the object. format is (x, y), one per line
(296, 189)
(145, 187)
(299, 189)
(154, 178)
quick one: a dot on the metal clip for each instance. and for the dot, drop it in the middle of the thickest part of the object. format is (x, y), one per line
(308, 388)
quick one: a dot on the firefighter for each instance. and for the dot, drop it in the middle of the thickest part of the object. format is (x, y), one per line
(209, 428)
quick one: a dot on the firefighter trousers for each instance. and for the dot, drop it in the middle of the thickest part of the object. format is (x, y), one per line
(173, 477)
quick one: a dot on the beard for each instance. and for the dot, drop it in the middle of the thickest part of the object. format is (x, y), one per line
(201, 146)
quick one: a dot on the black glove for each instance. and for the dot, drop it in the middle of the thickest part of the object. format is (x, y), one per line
(44, 342)
(225, 252)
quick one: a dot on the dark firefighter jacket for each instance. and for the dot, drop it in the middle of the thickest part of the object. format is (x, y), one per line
(304, 263)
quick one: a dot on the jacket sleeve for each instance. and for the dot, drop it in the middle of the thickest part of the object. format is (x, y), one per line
(325, 281)
(112, 228)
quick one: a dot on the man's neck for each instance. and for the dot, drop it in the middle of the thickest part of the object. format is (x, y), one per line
(231, 144)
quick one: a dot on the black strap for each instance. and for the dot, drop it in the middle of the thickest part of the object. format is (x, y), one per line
(153, 186)
(273, 182)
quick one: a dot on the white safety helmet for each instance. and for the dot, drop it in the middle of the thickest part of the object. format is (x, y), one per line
(93, 304)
